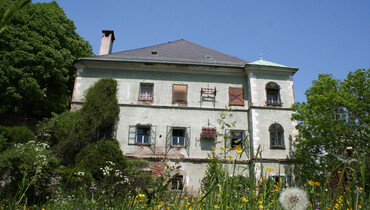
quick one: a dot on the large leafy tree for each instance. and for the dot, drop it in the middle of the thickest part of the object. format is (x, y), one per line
(335, 116)
(37, 50)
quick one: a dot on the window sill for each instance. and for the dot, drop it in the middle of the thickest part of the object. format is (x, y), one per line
(277, 147)
(280, 104)
(178, 146)
(142, 144)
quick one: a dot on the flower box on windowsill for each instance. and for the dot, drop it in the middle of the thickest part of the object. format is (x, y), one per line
(143, 144)
(208, 133)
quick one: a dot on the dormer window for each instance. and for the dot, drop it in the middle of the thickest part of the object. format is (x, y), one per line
(273, 94)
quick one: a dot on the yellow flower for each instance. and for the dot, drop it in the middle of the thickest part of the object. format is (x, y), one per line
(239, 151)
(260, 206)
(360, 188)
(213, 148)
(311, 183)
(216, 207)
(222, 148)
(270, 169)
(238, 147)
(230, 157)
(317, 184)
(359, 206)
(244, 200)
(352, 169)
(339, 172)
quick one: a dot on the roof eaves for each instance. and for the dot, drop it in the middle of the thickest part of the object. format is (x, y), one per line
(159, 62)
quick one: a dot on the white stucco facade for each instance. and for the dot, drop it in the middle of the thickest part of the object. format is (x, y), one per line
(161, 114)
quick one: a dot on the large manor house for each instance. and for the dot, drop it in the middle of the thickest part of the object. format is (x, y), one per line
(172, 97)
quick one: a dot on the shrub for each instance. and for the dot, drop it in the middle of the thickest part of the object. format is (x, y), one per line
(95, 155)
(26, 170)
(13, 135)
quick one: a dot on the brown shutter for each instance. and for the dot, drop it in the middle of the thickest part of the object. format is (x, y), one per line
(236, 96)
(180, 93)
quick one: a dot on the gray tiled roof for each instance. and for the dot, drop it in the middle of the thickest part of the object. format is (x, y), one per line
(180, 51)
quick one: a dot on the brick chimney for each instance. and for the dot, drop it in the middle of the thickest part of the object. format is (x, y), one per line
(106, 42)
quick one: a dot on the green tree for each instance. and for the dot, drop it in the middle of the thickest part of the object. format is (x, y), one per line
(335, 116)
(37, 50)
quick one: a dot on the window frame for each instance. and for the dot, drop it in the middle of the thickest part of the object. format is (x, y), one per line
(148, 128)
(184, 131)
(273, 90)
(107, 133)
(179, 178)
(140, 92)
(241, 143)
(276, 130)
(186, 94)
(133, 133)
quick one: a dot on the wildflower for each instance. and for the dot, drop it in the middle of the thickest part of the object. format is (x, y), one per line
(238, 147)
(230, 157)
(213, 148)
(239, 151)
(339, 172)
(244, 200)
(216, 207)
(260, 206)
(222, 148)
(294, 199)
(317, 184)
(311, 183)
(352, 169)
(270, 169)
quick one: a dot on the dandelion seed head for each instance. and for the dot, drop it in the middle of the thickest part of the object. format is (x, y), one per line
(294, 199)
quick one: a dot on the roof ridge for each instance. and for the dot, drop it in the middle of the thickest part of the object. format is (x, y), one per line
(213, 50)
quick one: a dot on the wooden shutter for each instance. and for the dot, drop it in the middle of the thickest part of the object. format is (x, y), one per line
(153, 134)
(168, 139)
(236, 96)
(180, 93)
(187, 140)
(132, 134)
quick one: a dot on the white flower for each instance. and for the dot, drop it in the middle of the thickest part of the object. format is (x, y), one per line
(294, 199)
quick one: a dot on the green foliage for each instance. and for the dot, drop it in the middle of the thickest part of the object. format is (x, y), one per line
(101, 104)
(26, 171)
(37, 50)
(95, 155)
(215, 173)
(335, 116)
(70, 132)
(14, 135)
(8, 11)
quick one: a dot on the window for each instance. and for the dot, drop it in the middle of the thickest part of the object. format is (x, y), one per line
(146, 92)
(276, 136)
(272, 94)
(178, 137)
(179, 94)
(103, 132)
(236, 96)
(143, 135)
(237, 138)
(177, 182)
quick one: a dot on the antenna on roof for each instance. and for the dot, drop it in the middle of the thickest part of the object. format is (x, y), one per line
(260, 56)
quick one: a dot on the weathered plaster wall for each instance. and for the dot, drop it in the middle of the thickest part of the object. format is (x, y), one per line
(258, 82)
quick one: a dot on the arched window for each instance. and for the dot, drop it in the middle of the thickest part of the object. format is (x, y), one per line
(273, 94)
(276, 136)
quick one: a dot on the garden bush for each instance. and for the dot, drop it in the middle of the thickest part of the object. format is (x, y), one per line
(95, 155)
(26, 171)
(13, 135)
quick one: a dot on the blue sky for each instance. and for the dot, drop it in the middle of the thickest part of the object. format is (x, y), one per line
(315, 36)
